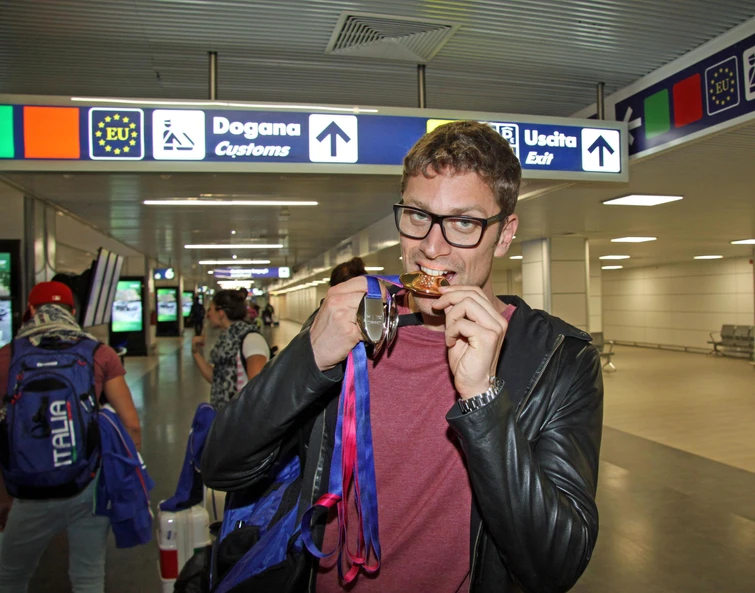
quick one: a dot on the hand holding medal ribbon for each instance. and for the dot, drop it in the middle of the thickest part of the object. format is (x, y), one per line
(353, 462)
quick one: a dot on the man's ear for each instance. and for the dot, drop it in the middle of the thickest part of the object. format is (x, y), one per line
(506, 236)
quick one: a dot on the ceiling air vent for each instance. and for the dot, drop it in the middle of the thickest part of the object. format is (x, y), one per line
(366, 35)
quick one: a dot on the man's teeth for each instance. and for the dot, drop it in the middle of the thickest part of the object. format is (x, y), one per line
(431, 272)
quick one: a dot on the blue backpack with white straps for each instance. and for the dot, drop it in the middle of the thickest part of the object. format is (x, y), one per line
(49, 433)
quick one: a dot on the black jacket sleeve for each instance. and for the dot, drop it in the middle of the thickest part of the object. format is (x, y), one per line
(247, 434)
(537, 496)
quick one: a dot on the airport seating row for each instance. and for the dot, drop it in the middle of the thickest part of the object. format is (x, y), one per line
(733, 340)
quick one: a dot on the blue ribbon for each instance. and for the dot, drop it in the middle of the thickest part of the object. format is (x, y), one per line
(365, 487)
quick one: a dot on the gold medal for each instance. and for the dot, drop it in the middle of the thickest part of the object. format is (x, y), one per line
(423, 284)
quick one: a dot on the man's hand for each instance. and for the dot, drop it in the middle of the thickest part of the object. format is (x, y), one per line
(474, 336)
(334, 332)
(197, 343)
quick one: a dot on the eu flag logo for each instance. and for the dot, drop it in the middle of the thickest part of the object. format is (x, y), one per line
(722, 86)
(116, 134)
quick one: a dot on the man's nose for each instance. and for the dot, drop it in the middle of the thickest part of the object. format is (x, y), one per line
(435, 244)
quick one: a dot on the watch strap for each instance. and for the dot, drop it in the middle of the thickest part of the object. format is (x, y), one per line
(478, 401)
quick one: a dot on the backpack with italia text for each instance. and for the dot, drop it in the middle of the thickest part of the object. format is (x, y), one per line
(49, 432)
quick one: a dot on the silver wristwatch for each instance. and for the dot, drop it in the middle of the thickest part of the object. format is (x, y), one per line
(478, 401)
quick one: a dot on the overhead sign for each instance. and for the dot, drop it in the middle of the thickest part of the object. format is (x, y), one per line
(247, 273)
(708, 90)
(551, 148)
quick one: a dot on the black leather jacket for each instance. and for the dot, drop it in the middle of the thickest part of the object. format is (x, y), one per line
(532, 453)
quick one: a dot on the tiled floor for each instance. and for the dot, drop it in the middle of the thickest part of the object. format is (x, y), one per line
(677, 483)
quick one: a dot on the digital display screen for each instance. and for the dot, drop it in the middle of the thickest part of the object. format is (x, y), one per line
(99, 316)
(95, 287)
(167, 307)
(113, 288)
(127, 307)
(187, 302)
(5, 276)
(6, 321)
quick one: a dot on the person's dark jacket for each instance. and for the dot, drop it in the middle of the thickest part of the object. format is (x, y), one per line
(532, 453)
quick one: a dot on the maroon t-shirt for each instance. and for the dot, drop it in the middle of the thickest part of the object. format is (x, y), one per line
(107, 366)
(424, 494)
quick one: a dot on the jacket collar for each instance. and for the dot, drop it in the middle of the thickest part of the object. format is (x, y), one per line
(531, 336)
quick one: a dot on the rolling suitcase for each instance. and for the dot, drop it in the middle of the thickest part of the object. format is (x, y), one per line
(181, 534)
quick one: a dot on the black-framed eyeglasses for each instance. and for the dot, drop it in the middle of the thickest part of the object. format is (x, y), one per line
(459, 231)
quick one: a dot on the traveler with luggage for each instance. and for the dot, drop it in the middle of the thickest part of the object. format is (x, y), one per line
(57, 376)
(240, 352)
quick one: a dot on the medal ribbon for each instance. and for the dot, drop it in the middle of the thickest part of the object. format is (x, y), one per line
(352, 465)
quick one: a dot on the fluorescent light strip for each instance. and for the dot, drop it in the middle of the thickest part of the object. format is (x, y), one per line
(744, 242)
(295, 288)
(708, 257)
(235, 246)
(516, 257)
(225, 104)
(633, 239)
(614, 257)
(642, 200)
(611, 267)
(374, 269)
(199, 202)
(240, 262)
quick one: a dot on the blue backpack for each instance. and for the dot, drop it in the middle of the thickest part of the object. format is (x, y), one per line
(49, 433)
(260, 547)
(124, 484)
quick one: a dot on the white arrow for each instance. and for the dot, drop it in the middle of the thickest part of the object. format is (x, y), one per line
(633, 124)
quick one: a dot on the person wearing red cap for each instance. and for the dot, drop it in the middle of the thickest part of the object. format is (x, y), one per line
(29, 525)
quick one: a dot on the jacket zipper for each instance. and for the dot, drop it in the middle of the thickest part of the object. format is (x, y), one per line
(312, 495)
(474, 556)
(540, 372)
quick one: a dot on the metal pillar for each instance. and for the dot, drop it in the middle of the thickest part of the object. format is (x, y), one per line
(213, 75)
(601, 101)
(421, 90)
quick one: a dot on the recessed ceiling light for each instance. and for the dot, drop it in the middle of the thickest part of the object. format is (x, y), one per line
(516, 257)
(235, 246)
(611, 267)
(374, 268)
(233, 232)
(202, 202)
(234, 256)
(642, 200)
(709, 257)
(633, 239)
(614, 257)
(744, 242)
(210, 272)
